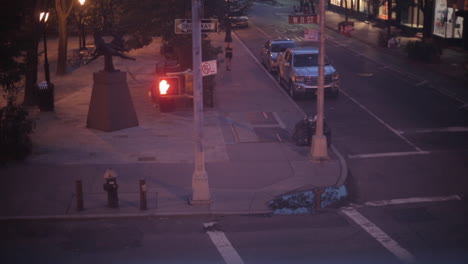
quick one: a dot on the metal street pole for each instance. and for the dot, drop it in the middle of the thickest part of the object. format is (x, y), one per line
(318, 149)
(200, 188)
(43, 19)
(46, 60)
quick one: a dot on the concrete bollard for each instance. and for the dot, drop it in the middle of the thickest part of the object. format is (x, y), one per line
(318, 198)
(143, 202)
(79, 195)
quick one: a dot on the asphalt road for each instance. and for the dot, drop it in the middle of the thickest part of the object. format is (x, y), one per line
(400, 137)
(425, 233)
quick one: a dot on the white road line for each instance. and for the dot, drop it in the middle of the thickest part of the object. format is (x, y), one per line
(436, 130)
(381, 121)
(387, 154)
(263, 32)
(227, 251)
(278, 137)
(421, 83)
(268, 74)
(377, 233)
(278, 119)
(413, 200)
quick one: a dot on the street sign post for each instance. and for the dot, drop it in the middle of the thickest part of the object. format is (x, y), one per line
(184, 26)
(208, 68)
(303, 19)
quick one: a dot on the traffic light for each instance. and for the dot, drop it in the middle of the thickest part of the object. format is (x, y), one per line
(168, 85)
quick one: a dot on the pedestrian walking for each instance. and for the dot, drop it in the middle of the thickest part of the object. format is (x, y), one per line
(228, 54)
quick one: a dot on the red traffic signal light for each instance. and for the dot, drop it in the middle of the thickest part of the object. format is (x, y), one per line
(169, 85)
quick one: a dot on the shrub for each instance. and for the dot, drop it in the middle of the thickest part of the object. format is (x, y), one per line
(15, 127)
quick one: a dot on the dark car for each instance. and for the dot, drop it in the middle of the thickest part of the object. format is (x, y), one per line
(271, 49)
(239, 22)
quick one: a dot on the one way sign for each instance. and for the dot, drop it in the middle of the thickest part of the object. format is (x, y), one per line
(184, 26)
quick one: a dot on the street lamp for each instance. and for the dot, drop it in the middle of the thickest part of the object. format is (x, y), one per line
(81, 33)
(45, 89)
(227, 21)
(43, 20)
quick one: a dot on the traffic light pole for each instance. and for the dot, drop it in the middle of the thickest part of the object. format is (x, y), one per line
(200, 187)
(318, 149)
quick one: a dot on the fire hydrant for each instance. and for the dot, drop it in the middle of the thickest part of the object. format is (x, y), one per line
(111, 187)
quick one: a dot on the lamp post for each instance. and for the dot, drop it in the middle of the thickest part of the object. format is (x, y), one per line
(227, 21)
(81, 33)
(43, 19)
(318, 149)
(46, 88)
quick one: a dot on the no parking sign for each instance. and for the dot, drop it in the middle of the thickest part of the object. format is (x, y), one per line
(208, 68)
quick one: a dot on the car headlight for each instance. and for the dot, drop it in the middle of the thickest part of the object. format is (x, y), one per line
(335, 76)
(298, 78)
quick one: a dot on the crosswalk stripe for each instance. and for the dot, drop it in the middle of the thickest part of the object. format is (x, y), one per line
(227, 251)
(377, 233)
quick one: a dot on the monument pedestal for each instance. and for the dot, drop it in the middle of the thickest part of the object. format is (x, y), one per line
(111, 107)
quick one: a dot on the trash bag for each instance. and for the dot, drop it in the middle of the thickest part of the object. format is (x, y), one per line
(302, 133)
(305, 129)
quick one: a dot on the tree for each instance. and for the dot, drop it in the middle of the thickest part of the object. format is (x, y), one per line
(15, 126)
(63, 8)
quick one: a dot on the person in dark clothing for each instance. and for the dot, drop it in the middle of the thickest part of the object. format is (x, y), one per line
(228, 54)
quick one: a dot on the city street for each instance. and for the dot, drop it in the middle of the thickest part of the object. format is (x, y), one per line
(401, 138)
(398, 129)
(427, 233)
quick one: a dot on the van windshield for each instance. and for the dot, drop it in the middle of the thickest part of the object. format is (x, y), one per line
(281, 47)
(307, 60)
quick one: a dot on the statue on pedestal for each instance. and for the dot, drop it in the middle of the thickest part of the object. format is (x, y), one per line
(114, 48)
(111, 107)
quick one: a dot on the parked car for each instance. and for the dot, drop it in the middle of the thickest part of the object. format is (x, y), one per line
(239, 22)
(298, 71)
(270, 51)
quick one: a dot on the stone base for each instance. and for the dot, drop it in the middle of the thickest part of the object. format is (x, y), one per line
(111, 107)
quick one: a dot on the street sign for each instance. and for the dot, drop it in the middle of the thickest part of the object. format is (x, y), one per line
(184, 26)
(303, 19)
(208, 68)
(311, 35)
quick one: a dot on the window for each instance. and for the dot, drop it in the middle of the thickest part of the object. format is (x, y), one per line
(308, 60)
(281, 47)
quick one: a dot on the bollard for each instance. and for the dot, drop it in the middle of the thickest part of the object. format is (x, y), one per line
(79, 195)
(143, 203)
(318, 198)
(111, 187)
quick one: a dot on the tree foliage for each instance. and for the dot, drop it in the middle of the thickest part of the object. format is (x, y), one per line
(15, 126)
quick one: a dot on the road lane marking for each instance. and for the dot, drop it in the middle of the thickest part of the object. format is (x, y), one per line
(435, 130)
(269, 75)
(421, 83)
(381, 121)
(387, 154)
(413, 200)
(227, 251)
(279, 120)
(377, 233)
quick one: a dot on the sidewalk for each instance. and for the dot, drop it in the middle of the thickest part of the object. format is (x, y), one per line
(249, 156)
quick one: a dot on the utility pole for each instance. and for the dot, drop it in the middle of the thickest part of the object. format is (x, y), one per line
(200, 187)
(318, 149)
